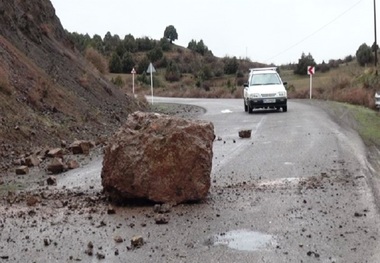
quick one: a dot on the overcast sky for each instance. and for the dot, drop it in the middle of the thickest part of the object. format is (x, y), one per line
(268, 31)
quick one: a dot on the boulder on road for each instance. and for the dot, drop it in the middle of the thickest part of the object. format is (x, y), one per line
(160, 158)
(245, 133)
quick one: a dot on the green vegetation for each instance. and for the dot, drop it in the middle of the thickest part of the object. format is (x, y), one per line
(171, 33)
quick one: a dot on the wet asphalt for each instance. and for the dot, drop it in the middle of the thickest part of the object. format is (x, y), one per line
(296, 191)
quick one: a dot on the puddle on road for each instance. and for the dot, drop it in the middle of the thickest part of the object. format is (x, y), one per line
(244, 240)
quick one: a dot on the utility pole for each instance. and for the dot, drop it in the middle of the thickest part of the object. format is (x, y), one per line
(374, 9)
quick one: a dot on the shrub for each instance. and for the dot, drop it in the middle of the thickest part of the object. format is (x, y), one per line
(118, 81)
(364, 55)
(97, 60)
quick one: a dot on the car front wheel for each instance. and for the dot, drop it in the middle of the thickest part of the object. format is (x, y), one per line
(285, 108)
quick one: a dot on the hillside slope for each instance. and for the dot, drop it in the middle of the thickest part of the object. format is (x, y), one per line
(48, 92)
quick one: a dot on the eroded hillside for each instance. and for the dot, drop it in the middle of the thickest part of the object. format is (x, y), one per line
(48, 92)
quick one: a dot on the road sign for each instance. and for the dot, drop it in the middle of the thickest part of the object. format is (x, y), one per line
(133, 80)
(310, 70)
(151, 70)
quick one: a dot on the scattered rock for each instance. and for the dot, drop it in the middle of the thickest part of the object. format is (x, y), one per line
(161, 219)
(118, 239)
(100, 255)
(32, 160)
(22, 170)
(56, 166)
(47, 241)
(72, 164)
(111, 210)
(245, 133)
(52, 180)
(162, 209)
(56, 152)
(32, 200)
(80, 147)
(137, 241)
(161, 158)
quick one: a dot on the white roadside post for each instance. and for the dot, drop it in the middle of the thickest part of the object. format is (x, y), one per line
(150, 70)
(133, 80)
(311, 71)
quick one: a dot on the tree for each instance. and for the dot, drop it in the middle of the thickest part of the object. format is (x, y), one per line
(115, 63)
(303, 63)
(171, 33)
(127, 62)
(172, 72)
(364, 55)
(231, 65)
(155, 54)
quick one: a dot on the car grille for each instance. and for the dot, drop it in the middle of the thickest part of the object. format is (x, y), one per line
(268, 95)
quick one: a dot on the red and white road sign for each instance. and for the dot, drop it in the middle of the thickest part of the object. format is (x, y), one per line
(133, 71)
(310, 70)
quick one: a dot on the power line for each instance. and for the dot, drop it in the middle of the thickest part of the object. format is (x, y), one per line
(315, 32)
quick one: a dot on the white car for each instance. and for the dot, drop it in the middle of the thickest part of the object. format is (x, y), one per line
(265, 89)
(377, 99)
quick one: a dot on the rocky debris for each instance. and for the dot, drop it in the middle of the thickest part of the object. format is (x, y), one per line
(56, 152)
(161, 158)
(47, 241)
(161, 219)
(137, 241)
(162, 208)
(32, 161)
(118, 239)
(32, 200)
(81, 147)
(21, 170)
(111, 210)
(56, 166)
(245, 133)
(52, 180)
(90, 249)
(72, 164)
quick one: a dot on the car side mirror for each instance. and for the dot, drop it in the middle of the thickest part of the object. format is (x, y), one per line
(245, 85)
(285, 83)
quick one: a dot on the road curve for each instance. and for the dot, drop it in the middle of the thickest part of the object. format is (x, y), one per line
(300, 179)
(296, 191)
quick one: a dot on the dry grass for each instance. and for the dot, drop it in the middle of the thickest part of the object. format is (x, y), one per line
(97, 60)
(349, 83)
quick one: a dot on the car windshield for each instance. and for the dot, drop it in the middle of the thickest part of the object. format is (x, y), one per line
(265, 79)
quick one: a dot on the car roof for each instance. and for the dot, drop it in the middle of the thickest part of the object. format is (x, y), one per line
(262, 70)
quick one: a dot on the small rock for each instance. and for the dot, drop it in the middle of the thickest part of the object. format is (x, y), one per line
(245, 133)
(111, 210)
(137, 241)
(52, 180)
(118, 239)
(72, 164)
(56, 152)
(31, 200)
(56, 166)
(161, 219)
(32, 160)
(47, 241)
(21, 170)
(100, 255)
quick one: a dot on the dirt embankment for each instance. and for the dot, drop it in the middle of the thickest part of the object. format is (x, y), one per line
(48, 91)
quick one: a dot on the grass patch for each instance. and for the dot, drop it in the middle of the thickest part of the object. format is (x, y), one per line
(369, 125)
(12, 187)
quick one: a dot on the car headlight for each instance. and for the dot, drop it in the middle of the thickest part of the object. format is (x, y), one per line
(254, 95)
(282, 94)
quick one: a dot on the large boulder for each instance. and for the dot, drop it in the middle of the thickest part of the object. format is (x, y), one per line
(160, 158)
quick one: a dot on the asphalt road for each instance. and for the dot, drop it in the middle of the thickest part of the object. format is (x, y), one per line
(296, 191)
